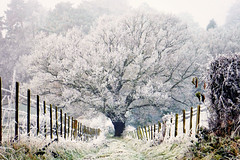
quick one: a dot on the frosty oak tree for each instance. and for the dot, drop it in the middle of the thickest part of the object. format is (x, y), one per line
(134, 61)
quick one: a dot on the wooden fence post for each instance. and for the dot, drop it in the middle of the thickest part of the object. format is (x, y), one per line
(51, 122)
(68, 126)
(75, 129)
(72, 128)
(0, 111)
(146, 132)
(65, 125)
(56, 115)
(151, 132)
(81, 131)
(184, 121)
(198, 119)
(191, 116)
(16, 111)
(45, 124)
(159, 126)
(28, 111)
(164, 128)
(176, 125)
(38, 121)
(138, 134)
(78, 129)
(142, 132)
(61, 123)
(154, 130)
(90, 132)
(99, 131)
(84, 132)
(170, 127)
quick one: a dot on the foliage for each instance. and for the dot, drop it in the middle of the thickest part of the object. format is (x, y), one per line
(209, 146)
(224, 86)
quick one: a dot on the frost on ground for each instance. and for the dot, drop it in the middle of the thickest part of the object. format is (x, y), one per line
(110, 148)
(132, 149)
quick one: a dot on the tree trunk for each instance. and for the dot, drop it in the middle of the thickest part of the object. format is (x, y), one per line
(119, 128)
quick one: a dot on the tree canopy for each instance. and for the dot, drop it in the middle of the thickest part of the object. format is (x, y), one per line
(134, 61)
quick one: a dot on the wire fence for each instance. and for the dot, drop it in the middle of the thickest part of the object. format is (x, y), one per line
(185, 124)
(23, 116)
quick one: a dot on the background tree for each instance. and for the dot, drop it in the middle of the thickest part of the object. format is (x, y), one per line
(125, 63)
(12, 46)
(15, 17)
(19, 28)
(212, 24)
(24, 20)
(233, 16)
(223, 40)
(64, 16)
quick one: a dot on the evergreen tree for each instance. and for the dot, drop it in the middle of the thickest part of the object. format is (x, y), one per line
(14, 43)
(212, 24)
(15, 17)
(65, 17)
(35, 18)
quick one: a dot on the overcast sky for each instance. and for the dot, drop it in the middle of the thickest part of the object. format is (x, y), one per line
(202, 11)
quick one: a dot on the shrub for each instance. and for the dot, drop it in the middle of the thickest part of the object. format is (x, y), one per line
(209, 146)
(224, 85)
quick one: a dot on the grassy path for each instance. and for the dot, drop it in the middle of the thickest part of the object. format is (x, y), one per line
(128, 149)
(118, 149)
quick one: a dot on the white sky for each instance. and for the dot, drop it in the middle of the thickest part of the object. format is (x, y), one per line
(202, 11)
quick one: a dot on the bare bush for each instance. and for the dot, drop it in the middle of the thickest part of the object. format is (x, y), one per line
(224, 85)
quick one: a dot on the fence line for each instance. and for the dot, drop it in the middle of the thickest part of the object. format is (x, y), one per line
(173, 128)
(37, 124)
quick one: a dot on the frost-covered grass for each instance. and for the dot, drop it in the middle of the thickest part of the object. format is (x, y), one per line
(101, 148)
(132, 149)
(32, 148)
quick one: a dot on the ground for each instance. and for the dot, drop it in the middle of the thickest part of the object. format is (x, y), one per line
(103, 149)
(125, 148)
